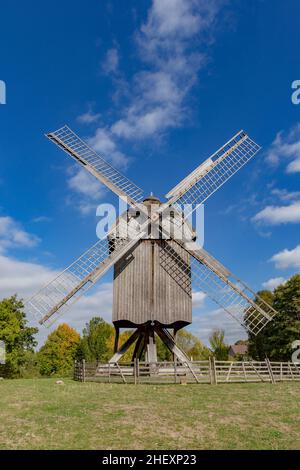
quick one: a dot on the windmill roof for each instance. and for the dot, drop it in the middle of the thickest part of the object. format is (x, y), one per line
(239, 348)
(152, 199)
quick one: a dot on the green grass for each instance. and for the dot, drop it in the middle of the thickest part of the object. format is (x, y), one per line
(38, 414)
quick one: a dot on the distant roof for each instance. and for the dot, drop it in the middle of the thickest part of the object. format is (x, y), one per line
(239, 348)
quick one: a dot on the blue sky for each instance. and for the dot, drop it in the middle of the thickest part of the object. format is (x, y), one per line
(156, 87)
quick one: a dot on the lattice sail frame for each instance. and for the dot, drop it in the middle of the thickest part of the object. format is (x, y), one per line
(208, 274)
(57, 296)
(70, 143)
(213, 172)
(229, 292)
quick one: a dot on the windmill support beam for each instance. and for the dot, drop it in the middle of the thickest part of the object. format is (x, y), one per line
(117, 356)
(117, 335)
(139, 347)
(144, 339)
(151, 353)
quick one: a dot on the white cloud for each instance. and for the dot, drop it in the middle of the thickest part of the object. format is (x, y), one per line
(12, 235)
(90, 189)
(82, 182)
(287, 258)
(172, 18)
(85, 207)
(111, 61)
(41, 218)
(165, 43)
(155, 107)
(26, 278)
(285, 195)
(204, 323)
(172, 46)
(157, 93)
(274, 282)
(20, 277)
(198, 299)
(103, 142)
(275, 215)
(89, 117)
(97, 303)
(287, 146)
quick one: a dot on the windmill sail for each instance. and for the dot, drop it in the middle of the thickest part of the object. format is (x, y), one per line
(208, 275)
(57, 296)
(211, 277)
(214, 172)
(67, 140)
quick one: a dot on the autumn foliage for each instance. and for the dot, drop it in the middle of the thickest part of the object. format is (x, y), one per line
(59, 351)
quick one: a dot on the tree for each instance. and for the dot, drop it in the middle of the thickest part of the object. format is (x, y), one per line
(58, 353)
(17, 336)
(219, 347)
(123, 338)
(163, 353)
(257, 343)
(275, 340)
(97, 341)
(192, 346)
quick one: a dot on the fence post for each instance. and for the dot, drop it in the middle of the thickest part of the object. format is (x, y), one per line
(175, 370)
(75, 370)
(215, 371)
(291, 370)
(134, 370)
(270, 370)
(83, 370)
(244, 371)
(212, 370)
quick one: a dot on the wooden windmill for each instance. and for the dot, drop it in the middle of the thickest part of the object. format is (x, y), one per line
(155, 257)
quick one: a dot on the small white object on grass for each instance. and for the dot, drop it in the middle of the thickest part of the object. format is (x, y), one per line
(59, 382)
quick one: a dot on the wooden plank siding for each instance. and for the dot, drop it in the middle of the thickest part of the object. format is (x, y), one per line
(145, 290)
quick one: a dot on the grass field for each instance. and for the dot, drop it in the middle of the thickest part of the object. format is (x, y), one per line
(38, 414)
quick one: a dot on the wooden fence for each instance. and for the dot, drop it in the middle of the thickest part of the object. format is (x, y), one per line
(210, 372)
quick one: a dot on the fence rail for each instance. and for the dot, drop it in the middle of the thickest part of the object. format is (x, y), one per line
(210, 372)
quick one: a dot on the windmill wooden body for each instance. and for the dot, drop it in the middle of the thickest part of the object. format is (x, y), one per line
(156, 259)
(145, 295)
